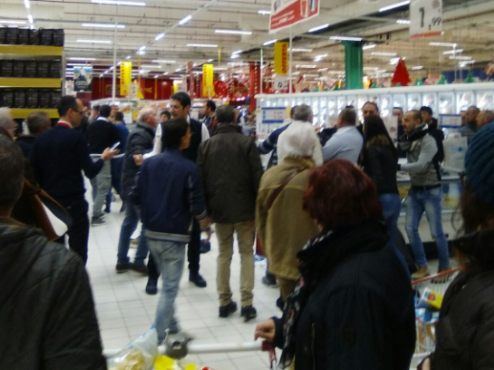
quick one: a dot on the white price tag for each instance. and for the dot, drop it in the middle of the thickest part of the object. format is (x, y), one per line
(273, 115)
(426, 18)
(281, 83)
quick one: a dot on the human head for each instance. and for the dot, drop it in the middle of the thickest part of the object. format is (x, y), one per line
(95, 110)
(398, 112)
(119, 117)
(11, 174)
(485, 117)
(303, 113)
(471, 115)
(180, 105)
(292, 111)
(70, 109)
(226, 114)
(298, 141)
(370, 109)
(177, 134)
(347, 117)
(148, 116)
(165, 116)
(38, 122)
(411, 119)
(7, 122)
(426, 113)
(114, 110)
(105, 111)
(340, 194)
(209, 108)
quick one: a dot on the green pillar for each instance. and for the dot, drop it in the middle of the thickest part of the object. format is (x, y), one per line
(354, 65)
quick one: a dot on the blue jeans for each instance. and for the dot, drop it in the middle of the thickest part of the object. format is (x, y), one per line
(129, 225)
(391, 204)
(170, 258)
(430, 202)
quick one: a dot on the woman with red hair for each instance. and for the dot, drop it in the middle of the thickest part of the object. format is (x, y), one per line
(353, 306)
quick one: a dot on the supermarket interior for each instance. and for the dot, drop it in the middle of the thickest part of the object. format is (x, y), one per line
(262, 57)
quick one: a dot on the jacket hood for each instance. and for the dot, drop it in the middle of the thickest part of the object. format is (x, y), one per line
(479, 245)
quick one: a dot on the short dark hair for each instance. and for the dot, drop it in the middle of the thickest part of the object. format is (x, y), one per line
(225, 114)
(37, 120)
(400, 108)
(372, 103)
(340, 194)
(416, 114)
(175, 130)
(349, 116)
(67, 102)
(166, 113)
(292, 111)
(96, 107)
(105, 111)
(11, 171)
(119, 116)
(211, 105)
(183, 98)
(426, 109)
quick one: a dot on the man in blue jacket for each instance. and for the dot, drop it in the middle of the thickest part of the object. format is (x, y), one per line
(170, 195)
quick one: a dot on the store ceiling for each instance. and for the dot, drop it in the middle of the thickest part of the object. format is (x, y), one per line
(470, 23)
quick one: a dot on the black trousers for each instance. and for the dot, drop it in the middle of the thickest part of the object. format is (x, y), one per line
(193, 254)
(78, 234)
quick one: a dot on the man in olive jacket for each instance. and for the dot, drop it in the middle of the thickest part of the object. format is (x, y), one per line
(232, 170)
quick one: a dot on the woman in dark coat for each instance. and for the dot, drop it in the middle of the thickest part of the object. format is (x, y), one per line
(353, 306)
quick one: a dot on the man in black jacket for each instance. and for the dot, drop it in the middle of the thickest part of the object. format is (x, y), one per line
(100, 135)
(47, 315)
(232, 171)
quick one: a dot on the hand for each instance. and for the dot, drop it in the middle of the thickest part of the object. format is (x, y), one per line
(425, 365)
(318, 129)
(266, 330)
(205, 222)
(138, 159)
(109, 154)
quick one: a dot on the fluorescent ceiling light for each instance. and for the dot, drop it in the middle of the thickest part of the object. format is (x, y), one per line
(319, 28)
(264, 12)
(94, 41)
(30, 18)
(393, 6)
(142, 48)
(321, 56)
(309, 75)
(403, 21)
(235, 56)
(270, 42)
(202, 45)
(463, 64)
(236, 52)
(456, 51)
(159, 37)
(103, 25)
(27, 4)
(460, 57)
(165, 73)
(417, 68)
(220, 68)
(6, 21)
(307, 66)
(346, 38)
(383, 54)
(300, 50)
(178, 70)
(370, 46)
(76, 64)
(210, 60)
(371, 68)
(185, 20)
(322, 69)
(113, 2)
(156, 76)
(150, 66)
(394, 61)
(234, 32)
(164, 61)
(128, 57)
(446, 44)
(81, 58)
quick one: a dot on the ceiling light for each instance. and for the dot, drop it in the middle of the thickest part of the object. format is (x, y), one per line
(202, 45)
(235, 56)
(270, 42)
(319, 28)
(128, 57)
(383, 54)
(164, 61)
(82, 58)
(165, 73)
(370, 46)
(119, 63)
(321, 56)
(76, 64)
(234, 32)
(371, 68)
(156, 76)
(125, 3)
(346, 38)
(94, 41)
(300, 50)
(393, 6)
(264, 12)
(103, 25)
(322, 69)
(30, 18)
(309, 75)
(417, 68)
(403, 21)
(5, 21)
(178, 70)
(460, 57)
(446, 44)
(236, 52)
(220, 68)
(159, 37)
(27, 4)
(142, 48)
(150, 66)
(463, 64)
(394, 61)
(185, 20)
(456, 51)
(210, 60)
(308, 66)
(295, 73)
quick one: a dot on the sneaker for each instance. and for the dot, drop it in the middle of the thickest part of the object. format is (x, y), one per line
(198, 280)
(248, 313)
(107, 210)
(97, 221)
(443, 278)
(421, 273)
(230, 308)
(123, 267)
(269, 280)
(152, 287)
(140, 268)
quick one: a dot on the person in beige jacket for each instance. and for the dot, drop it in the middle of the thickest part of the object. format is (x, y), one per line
(283, 226)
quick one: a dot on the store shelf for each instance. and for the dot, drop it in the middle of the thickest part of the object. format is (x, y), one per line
(30, 82)
(31, 50)
(21, 113)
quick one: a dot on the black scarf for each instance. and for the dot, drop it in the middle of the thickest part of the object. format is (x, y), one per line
(407, 139)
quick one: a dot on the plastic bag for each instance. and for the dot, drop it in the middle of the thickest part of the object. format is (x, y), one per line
(138, 355)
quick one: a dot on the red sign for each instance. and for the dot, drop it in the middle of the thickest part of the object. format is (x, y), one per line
(285, 13)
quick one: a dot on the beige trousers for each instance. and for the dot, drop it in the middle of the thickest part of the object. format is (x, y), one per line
(245, 235)
(286, 286)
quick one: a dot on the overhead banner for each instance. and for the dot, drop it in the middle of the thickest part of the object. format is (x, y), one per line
(426, 18)
(207, 80)
(82, 78)
(125, 78)
(281, 58)
(286, 13)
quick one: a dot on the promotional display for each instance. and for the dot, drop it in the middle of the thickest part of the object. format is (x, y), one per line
(207, 80)
(286, 13)
(426, 18)
(125, 78)
(82, 78)
(281, 58)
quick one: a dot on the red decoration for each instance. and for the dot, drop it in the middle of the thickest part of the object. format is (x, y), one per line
(401, 75)
(220, 89)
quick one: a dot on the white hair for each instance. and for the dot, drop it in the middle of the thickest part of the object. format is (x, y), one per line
(299, 140)
(5, 118)
(145, 112)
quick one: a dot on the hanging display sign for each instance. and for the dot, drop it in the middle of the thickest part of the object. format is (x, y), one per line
(426, 18)
(82, 78)
(281, 83)
(281, 58)
(125, 78)
(207, 80)
(286, 13)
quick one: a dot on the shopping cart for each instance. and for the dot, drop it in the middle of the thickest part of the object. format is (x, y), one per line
(429, 292)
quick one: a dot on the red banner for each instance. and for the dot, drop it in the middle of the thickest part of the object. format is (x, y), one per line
(285, 13)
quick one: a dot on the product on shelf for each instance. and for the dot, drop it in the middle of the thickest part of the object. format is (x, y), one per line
(7, 98)
(3, 35)
(6, 68)
(56, 95)
(18, 68)
(34, 36)
(19, 98)
(55, 67)
(32, 98)
(12, 36)
(43, 68)
(30, 68)
(44, 98)
(23, 37)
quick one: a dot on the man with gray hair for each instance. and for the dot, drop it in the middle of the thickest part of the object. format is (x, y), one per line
(140, 141)
(37, 123)
(7, 124)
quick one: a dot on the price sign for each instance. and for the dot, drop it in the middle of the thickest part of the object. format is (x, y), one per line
(426, 18)
(281, 83)
(273, 115)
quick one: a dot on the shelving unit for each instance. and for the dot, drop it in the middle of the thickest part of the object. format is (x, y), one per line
(22, 113)
(31, 50)
(30, 82)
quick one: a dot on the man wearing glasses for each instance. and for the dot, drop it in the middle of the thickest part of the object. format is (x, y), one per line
(58, 158)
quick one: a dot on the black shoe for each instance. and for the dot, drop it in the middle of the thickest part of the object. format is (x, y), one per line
(140, 268)
(279, 303)
(269, 280)
(97, 221)
(123, 267)
(248, 313)
(152, 287)
(230, 308)
(197, 280)
(205, 247)
(107, 210)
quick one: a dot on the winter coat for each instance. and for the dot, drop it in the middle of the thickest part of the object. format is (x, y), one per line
(379, 163)
(47, 315)
(283, 237)
(232, 170)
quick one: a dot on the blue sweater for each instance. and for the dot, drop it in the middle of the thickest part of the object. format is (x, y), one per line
(270, 144)
(170, 193)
